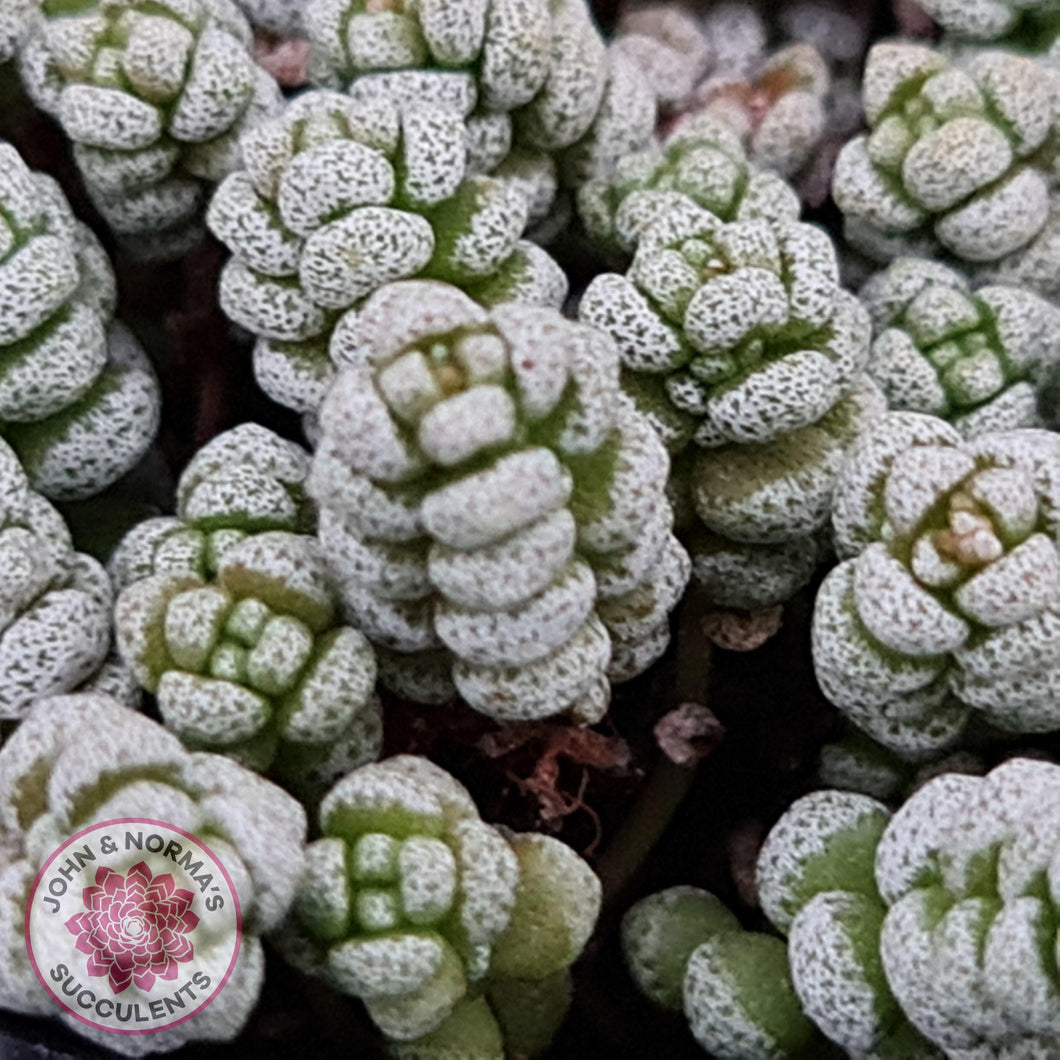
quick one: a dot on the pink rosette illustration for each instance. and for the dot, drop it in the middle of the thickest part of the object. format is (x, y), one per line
(135, 927)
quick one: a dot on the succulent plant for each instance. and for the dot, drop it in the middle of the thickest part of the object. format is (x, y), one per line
(55, 603)
(79, 402)
(534, 72)
(755, 996)
(946, 598)
(668, 45)
(412, 903)
(284, 18)
(326, 186)
(739, 345)
(737, 34)
(856, 763)
(924, 934)
(242, 482)
(493, 507)
(154, 97)
(16, 17)
(81, 759)
(1033, 24)
(973, 358)
(778, 110)
(945, 906)
(701, 163)
(956, 157)
(255, 663)
(687, 952)
(818, 887)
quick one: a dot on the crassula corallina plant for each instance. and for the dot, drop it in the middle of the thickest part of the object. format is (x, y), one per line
(1024, 24)
(55, 603)
(819, 992)
(451, 931)
(81, 759)
(670, 47)
(154, 95)
(701, 163)
(255, 662)
(740, 346)
(927, 934)
(531, 73)
(778, 109)
(245, 481)
(79, 402)
(975, 358)
(687, 952)
(946, 600)
(493, 507)
(956, 158)
(340, 197)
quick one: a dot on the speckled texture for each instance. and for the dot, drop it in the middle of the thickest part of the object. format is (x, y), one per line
(79, 401)
(827, 876)
(254, 662)
(1023, 23)
(83, 758)
(154, 97)
(341, 196)
(530, 73)
(778, 108)
(411, 903)
(817, 877)
(487, 493)
(16, 20)
(976, 358)
(945, 600)
(669, 46)
(955, 156)
(968, 944)
(242, 482)
(702, 163)
(745, 354)
(55, 603)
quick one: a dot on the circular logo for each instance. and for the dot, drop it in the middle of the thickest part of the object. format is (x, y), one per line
(133, 926)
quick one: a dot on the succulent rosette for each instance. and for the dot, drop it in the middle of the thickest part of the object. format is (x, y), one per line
(492, 506)
(975, 358)
(929, 933)
(535, 74)
(452, 932)
(55, 603)
(819, 988)
(738, 343)
(946, 598)
(340, 197)
(255, 663)
(957, 158)
(1025, 24)
(688, 953)
(244, 481)
(701, 163)
(79, 401)
(154, 97)
(779, 109)
(668, 45)
(819, 884)
(80, 759)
